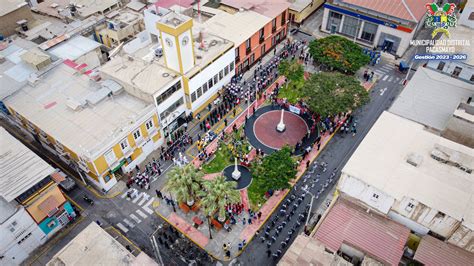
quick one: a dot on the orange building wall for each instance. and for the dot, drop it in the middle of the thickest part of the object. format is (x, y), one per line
(256, 45)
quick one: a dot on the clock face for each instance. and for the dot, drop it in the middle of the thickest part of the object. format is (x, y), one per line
(169, 42)
(185, 40)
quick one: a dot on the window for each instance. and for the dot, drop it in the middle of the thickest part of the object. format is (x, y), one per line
(283, 18)
(193, 96)
(262, 50)
(368, 32)
(375, 196)
(274, 24)
(171, 109)
(231, 66)
(262, 35)
(204, 87)
(237, 54)
(165, 95)
(137, 134)
(252, 59)
(273, 41)
(124, 145)
(216, 79)
(441, 65)
(471, 16)
(110, 157)
(472, 78)
(334, 21)
(247, 44)
(221, 74)
(199, 92)
(410, 206)
(209, 83)
(149, 124)
(456, 71)
(226, 70)
(350, 25)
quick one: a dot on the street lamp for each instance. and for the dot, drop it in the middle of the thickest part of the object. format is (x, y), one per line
(309, 211)
(209, 223)
(172, 202)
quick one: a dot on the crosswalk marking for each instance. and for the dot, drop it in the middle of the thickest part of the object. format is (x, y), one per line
(390, 79)
(130, 224)
(122, 227)
(378, 72)
(137, 197)
(150, 211)
(388, 67)
(385, 78)
(145, 198)
(144, 216)
(135, 218)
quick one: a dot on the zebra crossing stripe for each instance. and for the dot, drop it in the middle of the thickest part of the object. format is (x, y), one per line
(144, 216)
(385, 78)
(130, 224)
(390, 79)
(145, 198)
(137, 198)
(150, 211)
(380, 73)
(135, 218)
(122, 227)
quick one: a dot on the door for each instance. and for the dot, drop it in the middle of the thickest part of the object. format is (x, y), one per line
(387, 45)
(333, 28)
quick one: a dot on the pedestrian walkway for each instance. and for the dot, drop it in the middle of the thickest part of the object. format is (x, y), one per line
(143, 201)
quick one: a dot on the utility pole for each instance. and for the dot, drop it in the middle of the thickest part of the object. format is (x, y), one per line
(309, 212)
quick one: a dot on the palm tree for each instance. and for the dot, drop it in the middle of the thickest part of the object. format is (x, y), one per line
(184, 182)
(217, 194)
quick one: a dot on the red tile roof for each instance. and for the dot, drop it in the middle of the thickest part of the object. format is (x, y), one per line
(375, 235)
(432, 251)
(268, 8)
(396, 8)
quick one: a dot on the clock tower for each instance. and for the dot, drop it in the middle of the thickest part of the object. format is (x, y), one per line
(177, 41)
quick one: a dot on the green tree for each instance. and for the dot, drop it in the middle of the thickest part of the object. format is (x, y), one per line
(276, 170)
(332, 93)
(293, 70)
(217, 194)
(339, 53)
(184, 182)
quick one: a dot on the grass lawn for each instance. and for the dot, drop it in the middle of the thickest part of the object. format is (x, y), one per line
(290, 92)
(223, 156)
(221, 160)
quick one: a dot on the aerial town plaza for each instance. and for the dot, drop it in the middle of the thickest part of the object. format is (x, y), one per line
(236, 132)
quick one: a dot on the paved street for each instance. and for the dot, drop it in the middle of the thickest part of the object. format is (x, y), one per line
(335, 155)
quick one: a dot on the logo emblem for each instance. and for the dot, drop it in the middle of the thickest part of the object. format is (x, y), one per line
(440, 18)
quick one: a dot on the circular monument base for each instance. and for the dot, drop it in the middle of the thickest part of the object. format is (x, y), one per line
(245, 176)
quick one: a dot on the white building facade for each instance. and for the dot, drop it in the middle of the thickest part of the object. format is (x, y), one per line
(19, 234)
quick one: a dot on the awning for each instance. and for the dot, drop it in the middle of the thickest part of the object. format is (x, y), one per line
(116, 168)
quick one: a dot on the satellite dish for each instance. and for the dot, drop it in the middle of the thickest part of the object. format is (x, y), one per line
(116, 50)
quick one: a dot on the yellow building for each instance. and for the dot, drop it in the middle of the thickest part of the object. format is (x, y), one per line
(95, 125)
(302, 9)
